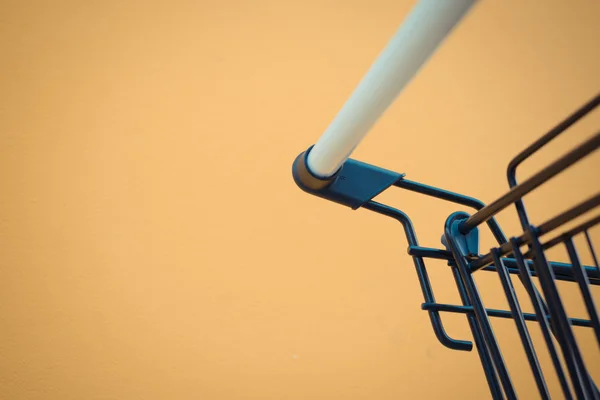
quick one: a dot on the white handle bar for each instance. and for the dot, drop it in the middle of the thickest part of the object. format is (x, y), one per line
(427, 25)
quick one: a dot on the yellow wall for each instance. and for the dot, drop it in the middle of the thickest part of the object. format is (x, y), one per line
(153, 244)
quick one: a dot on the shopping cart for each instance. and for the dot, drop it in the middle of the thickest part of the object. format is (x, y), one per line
(355, 184)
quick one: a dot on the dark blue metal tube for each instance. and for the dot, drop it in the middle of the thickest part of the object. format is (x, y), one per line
(579, 378)
(411, 237)
(451, 232)
(542, 317)
(517, 315)
(584, 286)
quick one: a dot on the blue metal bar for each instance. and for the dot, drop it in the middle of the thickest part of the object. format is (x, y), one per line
(517, 192)
(579, 378)
(422, 274)
(562, 271)
(454, 198)
(494, 313)
(484, 354)
(588, 239)
(511, 171)
(583, 282)
(451, 233)
(517, 315)
(546, 227)
(542, 317)
(583, 227)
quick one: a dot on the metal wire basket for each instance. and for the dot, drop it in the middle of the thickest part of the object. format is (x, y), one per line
(525, 256)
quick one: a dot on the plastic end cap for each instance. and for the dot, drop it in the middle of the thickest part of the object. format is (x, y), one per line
(305, 179)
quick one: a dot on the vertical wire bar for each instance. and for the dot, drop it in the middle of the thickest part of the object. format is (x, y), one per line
(536, 300)
(588, 239)
(517, 314)
(480, 312)
(564, 334)
(584, 286)
(486, 327)
(482, 350)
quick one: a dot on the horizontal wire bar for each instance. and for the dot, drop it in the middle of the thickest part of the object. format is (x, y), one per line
(530, 184)
(548, 137)
(544, 228)
(568, 234)
(495, 313)
(563, 271)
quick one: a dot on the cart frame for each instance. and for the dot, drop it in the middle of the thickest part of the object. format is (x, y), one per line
(355, 185)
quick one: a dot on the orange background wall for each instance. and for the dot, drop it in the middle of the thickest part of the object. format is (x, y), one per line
(153, 244)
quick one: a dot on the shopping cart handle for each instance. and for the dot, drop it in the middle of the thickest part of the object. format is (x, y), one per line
(354, 184)
(417, 39)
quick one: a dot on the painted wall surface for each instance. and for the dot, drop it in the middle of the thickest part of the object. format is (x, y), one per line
(154, 246)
